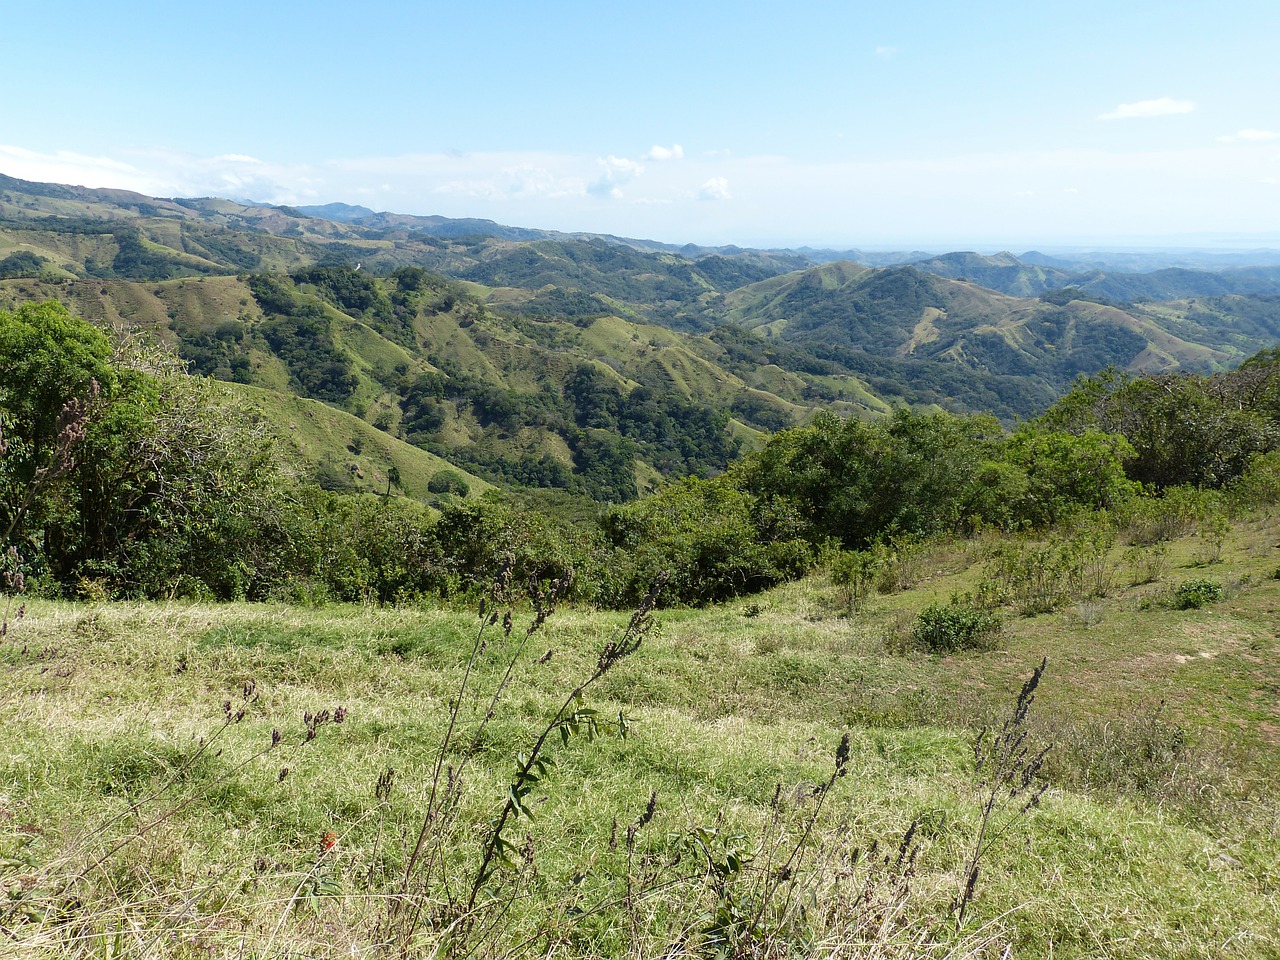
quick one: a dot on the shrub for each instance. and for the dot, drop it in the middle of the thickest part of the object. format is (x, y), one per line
(853, 572)
(448, 481)
(946, 628)
(1197, 592)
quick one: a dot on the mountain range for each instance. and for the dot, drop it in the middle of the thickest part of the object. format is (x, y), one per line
(594, 363)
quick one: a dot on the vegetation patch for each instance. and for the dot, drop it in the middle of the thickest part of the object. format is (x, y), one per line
(952, 627)
(1197, 592)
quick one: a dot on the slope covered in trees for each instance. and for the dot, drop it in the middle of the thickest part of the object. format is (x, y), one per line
(118, 469)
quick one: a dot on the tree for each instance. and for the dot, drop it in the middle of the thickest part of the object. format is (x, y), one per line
(1183, 429)
(393, 479)
(55, 376)
(118, 466)
(1063, 470)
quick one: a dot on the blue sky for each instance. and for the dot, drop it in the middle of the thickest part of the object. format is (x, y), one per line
(937, 125)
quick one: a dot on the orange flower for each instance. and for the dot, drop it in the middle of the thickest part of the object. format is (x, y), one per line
(328, 840)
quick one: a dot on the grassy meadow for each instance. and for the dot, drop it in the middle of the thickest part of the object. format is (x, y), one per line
(237, 780)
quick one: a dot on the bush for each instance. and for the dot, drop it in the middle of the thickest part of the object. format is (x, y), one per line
(946, 628)
(1197, 592)
(448, 481)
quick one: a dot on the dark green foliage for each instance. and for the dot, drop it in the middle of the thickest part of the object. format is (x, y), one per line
(140, 481)
(744, 351)
(1197, 592)
(606, 429)
(475, 538)
(729, 273)
(1183, 429)
(574, 305)
(23, 263)
(273, 294)
(219, 353)
(1061, 472)
(305, 344)
(352, 548)
(702, 536)
(301, 334)
(352, 292)
(605, 465)
(852, 482)
(761, 411)
(49, 358)
(448, 481)
(948, 628)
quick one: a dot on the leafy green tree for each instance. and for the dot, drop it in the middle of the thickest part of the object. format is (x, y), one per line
(1183, 429)
(1065, 470)
(851, 482)
(448, 481)
(701, 534)
(55, 376)
(159, 482)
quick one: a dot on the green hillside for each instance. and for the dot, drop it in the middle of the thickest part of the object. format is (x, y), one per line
(591, 403)
(962, 345)
(346, 454)
(465, 337)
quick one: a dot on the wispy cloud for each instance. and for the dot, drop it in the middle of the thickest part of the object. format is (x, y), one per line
(617, 172)
(492, 178)
(164, 173)
(659, 154)
(1163, 107)
(717, 188)
(66, 166)
(1250, 136)
(737, 198)
(885, 52)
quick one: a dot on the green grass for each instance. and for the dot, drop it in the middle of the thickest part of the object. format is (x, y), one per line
(136, 821)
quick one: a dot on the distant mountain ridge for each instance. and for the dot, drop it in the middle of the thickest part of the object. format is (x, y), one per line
(502, 315)
(1023, 277)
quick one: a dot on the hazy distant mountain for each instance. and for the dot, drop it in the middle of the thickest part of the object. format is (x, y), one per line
(1001, 271)
(1032, 275)
(775, 333)
(342, 212)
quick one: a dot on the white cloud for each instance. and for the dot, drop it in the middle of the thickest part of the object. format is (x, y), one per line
(717, 188)
(618, 171)
(1163, 107)
(516, 181)
(78, 169)
(659, 154)
(165, 173)
(964, 197)
(886, 52)
(622, 167)
(1250, 136)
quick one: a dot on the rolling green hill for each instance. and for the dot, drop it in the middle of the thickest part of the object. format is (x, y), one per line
(962, 345)
(590, 363)
(591, 403)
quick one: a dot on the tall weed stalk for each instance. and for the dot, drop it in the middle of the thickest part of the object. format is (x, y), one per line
(1011, 784)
